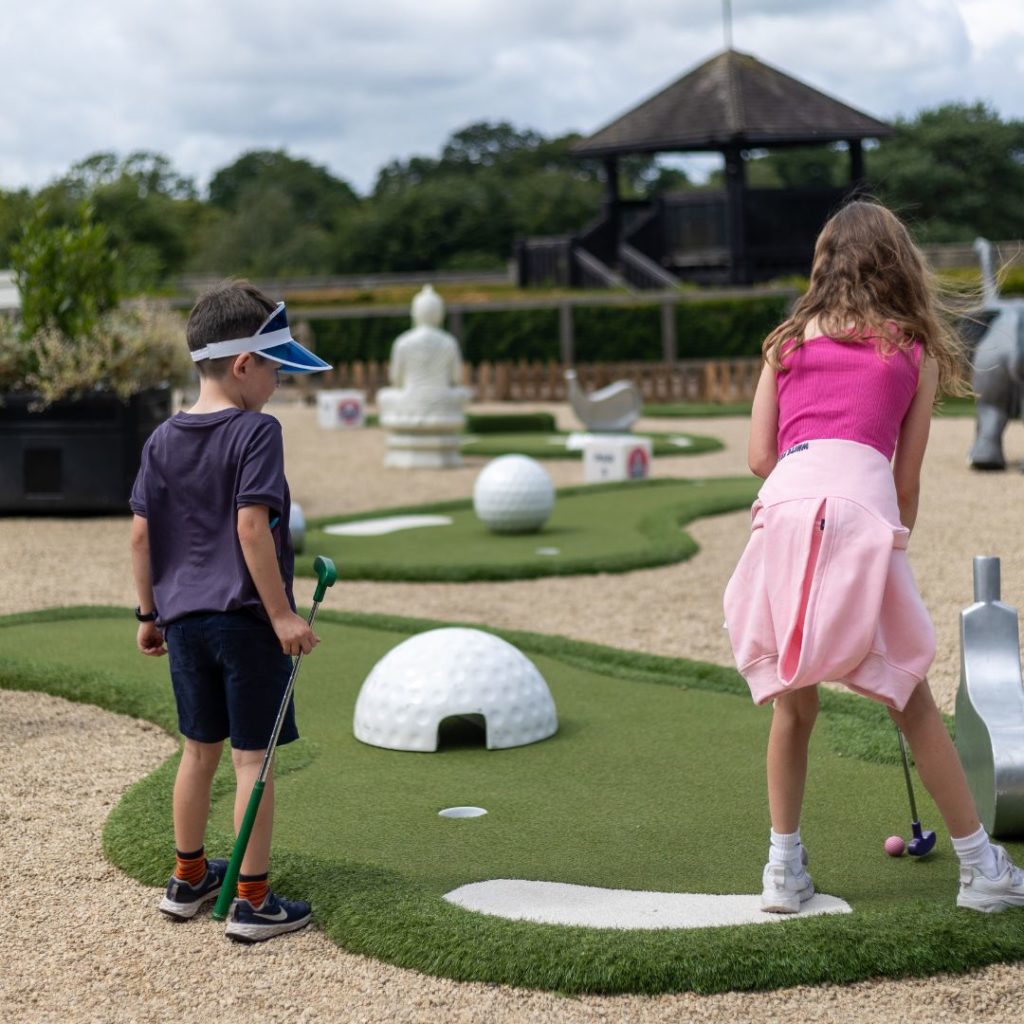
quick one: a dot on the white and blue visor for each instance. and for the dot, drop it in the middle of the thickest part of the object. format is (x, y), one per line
(273, 341)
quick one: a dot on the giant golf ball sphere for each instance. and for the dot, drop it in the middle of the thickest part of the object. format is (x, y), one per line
(297, 528)
(447, 673)
(894, 846)
(513, 494)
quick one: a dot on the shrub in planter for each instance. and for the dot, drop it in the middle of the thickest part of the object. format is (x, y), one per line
(82, 383)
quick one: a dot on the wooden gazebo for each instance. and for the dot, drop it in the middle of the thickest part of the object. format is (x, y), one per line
(731, 104)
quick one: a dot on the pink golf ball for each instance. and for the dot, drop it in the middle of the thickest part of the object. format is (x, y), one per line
(894, 846)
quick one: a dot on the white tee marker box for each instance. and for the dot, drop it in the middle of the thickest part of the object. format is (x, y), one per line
(341, 409)
(616, 457)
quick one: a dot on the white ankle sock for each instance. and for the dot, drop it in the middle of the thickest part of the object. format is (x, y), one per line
(785, 848)
(975, 851)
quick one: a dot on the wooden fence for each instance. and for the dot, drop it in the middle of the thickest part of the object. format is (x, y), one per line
(694, 380)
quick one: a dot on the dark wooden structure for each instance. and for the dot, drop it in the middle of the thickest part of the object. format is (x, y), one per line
(731, 104)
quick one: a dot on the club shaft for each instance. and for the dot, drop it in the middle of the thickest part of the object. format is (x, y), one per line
(268, 755)
(227, 892)
(906, 774)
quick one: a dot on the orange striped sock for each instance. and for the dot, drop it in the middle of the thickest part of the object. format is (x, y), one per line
(253, 888)
(190, 867)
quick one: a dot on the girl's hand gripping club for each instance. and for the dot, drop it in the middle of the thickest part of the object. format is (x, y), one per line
(326, 574)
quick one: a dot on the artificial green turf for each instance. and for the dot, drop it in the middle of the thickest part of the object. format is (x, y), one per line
(698, 409)
(654, 780)
(553, 445)
(613, 527)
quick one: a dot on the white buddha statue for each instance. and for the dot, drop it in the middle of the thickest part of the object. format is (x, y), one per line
(425, 406)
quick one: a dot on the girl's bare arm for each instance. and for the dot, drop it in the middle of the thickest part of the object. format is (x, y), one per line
(913, 441)
(763, 449)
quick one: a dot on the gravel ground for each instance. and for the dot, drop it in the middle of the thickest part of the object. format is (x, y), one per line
(87, 944)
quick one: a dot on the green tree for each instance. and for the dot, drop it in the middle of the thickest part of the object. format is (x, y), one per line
(15, 208)
(491, 184)
(267, 236)
(956, 171)
(317, 197)
(148, 208)
(272, 215)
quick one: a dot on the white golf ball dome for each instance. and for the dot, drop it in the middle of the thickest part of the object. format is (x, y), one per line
(513, 494)
(448, 672)
(297, 527)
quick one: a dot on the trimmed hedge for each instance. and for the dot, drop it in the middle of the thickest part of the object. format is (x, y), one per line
(705, 329)
(510, 423)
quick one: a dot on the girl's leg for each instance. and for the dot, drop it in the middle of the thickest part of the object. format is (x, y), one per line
(247, 767)
(937, 761)
(191, 801)
(793, 720)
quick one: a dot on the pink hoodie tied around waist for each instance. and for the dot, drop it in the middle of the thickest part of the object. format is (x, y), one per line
(823, 590)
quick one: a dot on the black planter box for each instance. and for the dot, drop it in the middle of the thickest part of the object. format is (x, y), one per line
(74, 456)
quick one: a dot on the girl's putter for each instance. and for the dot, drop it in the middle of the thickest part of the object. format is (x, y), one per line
(922, 842)
(326, 574)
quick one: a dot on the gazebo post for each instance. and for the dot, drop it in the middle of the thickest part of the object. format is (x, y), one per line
(856, 163)
(612, 204)
(735, 187)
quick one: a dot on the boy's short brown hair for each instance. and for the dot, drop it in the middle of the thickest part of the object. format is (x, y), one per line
(232, 309)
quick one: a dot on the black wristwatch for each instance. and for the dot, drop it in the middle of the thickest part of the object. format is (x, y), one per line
(145, 616)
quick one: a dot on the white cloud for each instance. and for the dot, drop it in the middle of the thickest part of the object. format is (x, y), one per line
(353, 86)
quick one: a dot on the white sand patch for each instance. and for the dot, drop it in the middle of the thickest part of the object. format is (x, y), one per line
(386, 524)
(681, 442)
(591, 907)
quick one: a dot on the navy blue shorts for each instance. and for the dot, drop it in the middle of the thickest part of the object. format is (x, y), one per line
(229, 676)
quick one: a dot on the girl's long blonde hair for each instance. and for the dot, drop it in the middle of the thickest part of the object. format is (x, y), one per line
(869, 280)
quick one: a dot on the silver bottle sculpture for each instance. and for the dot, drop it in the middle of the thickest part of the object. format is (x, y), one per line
(990, 705)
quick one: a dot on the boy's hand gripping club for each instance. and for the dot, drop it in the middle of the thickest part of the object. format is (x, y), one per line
(326, 574)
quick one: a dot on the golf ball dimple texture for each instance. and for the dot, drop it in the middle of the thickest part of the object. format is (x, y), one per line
(447, 672)
(894, 846)
(297, 528)
(513, 494)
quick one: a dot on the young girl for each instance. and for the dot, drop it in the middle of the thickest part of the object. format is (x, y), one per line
(823, 590)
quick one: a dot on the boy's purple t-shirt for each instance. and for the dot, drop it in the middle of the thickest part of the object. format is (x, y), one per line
(197, 471)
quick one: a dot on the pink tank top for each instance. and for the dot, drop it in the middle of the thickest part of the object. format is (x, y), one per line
(845, 391)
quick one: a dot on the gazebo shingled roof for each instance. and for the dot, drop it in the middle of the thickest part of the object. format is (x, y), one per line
(731, 100)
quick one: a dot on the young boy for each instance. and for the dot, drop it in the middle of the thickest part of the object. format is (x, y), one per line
(213, 563)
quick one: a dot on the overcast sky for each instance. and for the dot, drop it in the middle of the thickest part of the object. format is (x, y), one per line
(352, 84)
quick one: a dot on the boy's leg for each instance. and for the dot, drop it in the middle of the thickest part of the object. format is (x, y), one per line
(195, 880)
(247, 767)
(259, 914)
(192, 787)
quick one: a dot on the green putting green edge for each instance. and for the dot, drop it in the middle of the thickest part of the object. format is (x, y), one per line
(541, 446)
(697, 410)
(395, 916)
(613, 527)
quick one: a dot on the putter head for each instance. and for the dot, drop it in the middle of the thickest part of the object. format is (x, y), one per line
(922, 843)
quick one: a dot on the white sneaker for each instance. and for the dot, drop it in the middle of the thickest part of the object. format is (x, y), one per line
(785, 887)
(991, 895)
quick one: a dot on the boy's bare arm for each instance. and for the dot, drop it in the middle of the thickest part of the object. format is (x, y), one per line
(149, 638)
(261, 560)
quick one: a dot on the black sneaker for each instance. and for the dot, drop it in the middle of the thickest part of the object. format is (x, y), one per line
(275, 916)
(182, 901)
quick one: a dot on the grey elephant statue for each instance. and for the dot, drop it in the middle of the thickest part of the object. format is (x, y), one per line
(998, 363)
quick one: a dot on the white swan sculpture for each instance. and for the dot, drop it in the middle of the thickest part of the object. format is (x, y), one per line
(612, 409)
